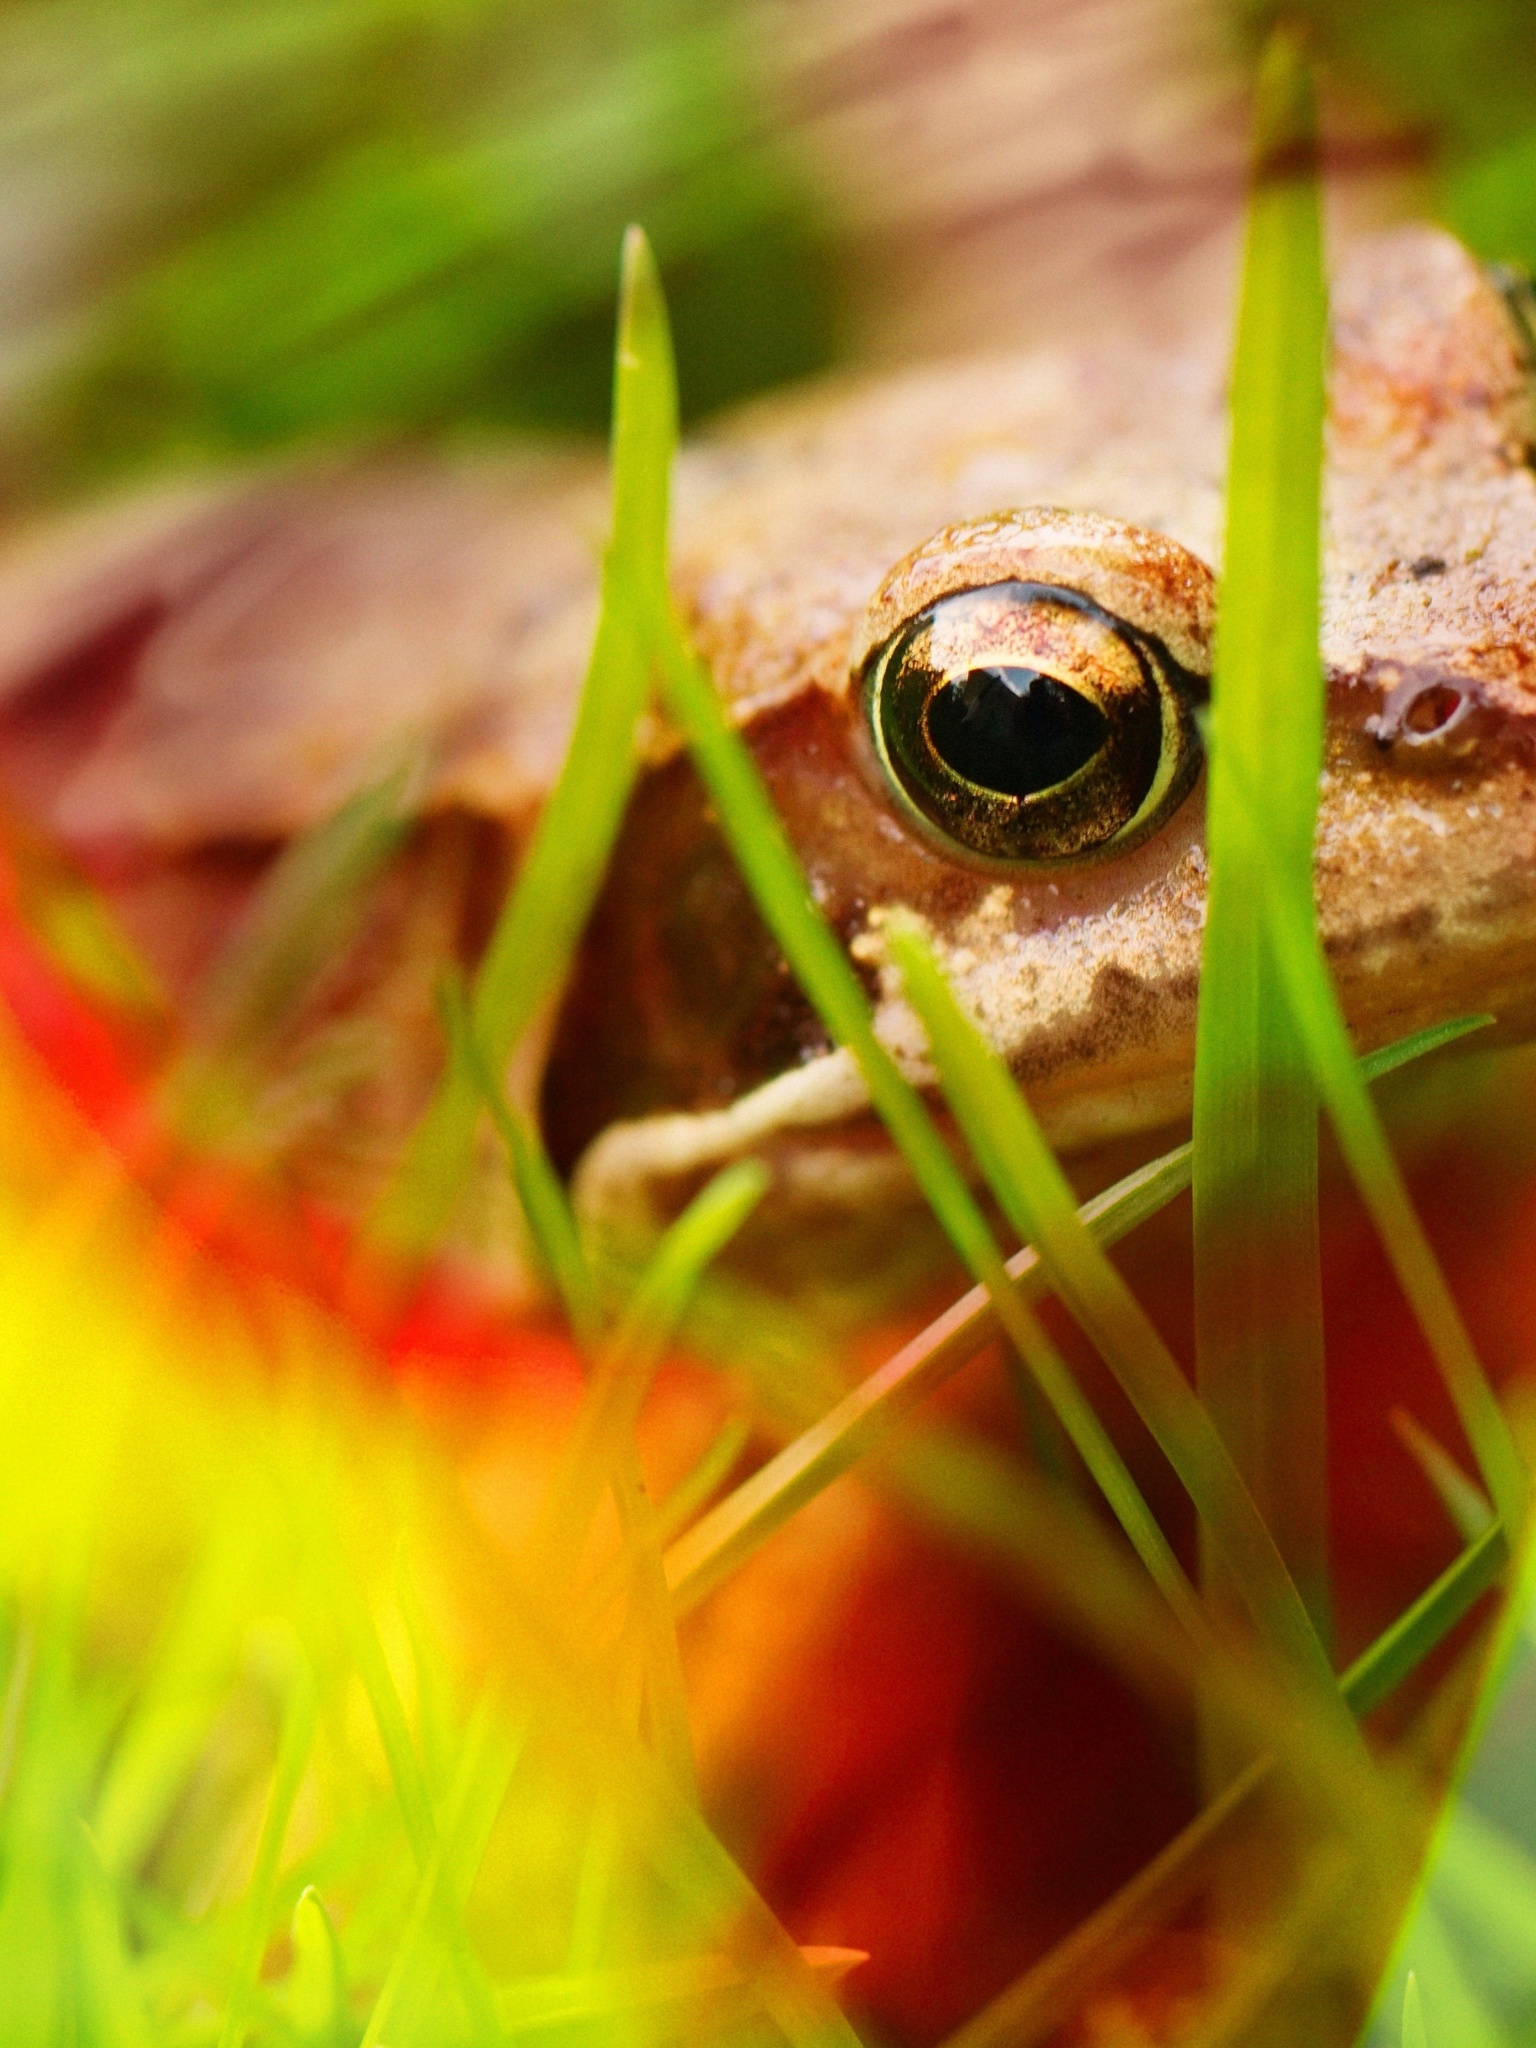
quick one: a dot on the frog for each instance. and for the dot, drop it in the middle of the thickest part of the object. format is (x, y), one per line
(963, 615)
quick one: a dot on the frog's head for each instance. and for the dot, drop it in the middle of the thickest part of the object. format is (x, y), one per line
(987, 719)
(998, 729)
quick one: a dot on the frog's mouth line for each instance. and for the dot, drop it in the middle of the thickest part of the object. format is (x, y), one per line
(828, 1153)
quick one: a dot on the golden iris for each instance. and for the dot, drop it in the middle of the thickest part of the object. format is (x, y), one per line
(1024, 722)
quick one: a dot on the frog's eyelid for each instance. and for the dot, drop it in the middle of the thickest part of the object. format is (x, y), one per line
(1143, 578)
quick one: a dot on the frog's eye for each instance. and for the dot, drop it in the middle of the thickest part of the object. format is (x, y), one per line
(1025, 722)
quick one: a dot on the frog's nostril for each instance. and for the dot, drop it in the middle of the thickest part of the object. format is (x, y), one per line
(1431, 712)
(1418, 709)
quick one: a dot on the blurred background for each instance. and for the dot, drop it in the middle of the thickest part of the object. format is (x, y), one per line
(236, 224)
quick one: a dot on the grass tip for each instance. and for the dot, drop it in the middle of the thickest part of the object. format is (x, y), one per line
(1414, 2035)
(1285, 114)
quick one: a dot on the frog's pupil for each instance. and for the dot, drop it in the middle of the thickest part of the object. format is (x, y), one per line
(1014, 730)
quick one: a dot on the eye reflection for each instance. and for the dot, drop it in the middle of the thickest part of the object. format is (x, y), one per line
(1025, 723)
(1013, 730)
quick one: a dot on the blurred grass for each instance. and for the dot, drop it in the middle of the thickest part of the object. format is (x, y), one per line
(551, 1226)
(1266, 756)
(360, 217)
(838, 1438)
(218, 1095)
(261, 1672)
(1467, 1942)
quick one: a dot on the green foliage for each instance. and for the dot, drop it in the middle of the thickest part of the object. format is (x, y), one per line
(364, 216)
(1262, 807)
(551, 1225)
(857, 1424)
(1466, 1505)
(1377, 1674)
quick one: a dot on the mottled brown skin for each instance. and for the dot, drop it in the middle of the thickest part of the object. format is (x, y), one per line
(1087, 974)
(198, 676)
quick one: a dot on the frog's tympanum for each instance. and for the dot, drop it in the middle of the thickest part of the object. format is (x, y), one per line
(964, 618)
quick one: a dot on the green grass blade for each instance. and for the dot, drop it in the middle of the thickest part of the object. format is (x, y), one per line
(1388, 1661)
(546, 1209)
(653, 1314)
(756, 838)
(1046, 1994)
(1388, 1058)
(666, 1692)
(560, 876)
(1034, 1193)
(406, 1775)
(702, 1479)
(1293, 925)
(687, 1247)
(176, 1703)
(292, 1758)
(734, 1528)
(1253, 1122)
(434, 1902)
(405, 1772)
(317, 1988)
(305, 913)
(80, 930)
(1415, 2034)
(305, 908)
(623, 1374)
(674, 1512)
(1469, 1509)
(1258, 1297)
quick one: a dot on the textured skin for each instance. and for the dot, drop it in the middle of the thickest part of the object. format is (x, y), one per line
(1087, 977)
(225, 665)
